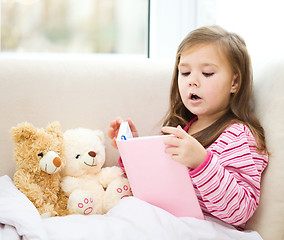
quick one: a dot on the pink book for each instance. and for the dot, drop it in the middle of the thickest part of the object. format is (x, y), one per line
(155, 178)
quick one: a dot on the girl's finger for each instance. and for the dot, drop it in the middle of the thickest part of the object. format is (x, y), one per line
(110, 133)
(172, 150)
(114, 127)
(175, 158)
(118, 121)
(177, 131)
(132, 128)
(172, 141)
(113, 142)
(115, 123)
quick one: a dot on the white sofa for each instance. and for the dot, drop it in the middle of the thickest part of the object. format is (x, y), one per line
(89, 91)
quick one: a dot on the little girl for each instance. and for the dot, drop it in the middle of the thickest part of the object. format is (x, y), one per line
(217, 134)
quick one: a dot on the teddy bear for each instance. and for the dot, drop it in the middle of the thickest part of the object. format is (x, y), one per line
(38, 154)
(91, 188)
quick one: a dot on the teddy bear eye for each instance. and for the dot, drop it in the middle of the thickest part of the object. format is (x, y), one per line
(40, 154)
(77, 156)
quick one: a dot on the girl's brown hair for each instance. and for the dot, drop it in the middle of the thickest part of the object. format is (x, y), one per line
(240, 107)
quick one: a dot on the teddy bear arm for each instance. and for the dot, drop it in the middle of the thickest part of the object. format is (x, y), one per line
(108, 175)
(50, 195)
(61, 205)
(69, 184)
(33, 191)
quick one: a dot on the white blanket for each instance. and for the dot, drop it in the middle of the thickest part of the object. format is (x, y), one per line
(131, 218)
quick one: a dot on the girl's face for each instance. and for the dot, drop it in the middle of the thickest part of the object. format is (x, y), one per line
(205, 81)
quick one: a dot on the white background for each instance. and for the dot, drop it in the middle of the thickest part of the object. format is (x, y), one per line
(259, 22)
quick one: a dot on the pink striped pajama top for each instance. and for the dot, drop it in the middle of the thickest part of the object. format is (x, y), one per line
(227, 183)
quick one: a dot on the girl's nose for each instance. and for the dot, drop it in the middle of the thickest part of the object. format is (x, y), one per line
(193, 80)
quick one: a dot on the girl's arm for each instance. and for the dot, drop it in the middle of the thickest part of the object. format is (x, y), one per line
(228, 181)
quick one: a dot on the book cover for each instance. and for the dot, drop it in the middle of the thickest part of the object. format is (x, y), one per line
(157, 179)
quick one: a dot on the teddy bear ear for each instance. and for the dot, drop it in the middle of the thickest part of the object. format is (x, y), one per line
(22, 131)
(100, 134)
(55, 129)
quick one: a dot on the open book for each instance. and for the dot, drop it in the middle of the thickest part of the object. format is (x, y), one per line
(155, 178)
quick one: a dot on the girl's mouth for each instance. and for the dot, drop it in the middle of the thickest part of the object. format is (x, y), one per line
(194, 97)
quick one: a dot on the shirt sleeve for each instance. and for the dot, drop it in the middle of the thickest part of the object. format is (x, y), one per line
(228, 181)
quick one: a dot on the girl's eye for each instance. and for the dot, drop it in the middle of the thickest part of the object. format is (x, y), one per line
(77, 156)
(40, 154)
(185, 73)
(207, 74)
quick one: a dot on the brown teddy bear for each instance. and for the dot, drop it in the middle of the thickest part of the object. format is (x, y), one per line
(38, 155)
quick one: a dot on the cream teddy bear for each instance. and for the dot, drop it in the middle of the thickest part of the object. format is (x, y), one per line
(38, 155)
(91, 188)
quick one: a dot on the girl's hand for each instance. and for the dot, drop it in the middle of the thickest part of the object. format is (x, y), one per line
(114, 128)
(184, 148)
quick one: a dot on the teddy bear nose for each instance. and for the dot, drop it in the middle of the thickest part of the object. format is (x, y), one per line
(92, 154)
(57, 162)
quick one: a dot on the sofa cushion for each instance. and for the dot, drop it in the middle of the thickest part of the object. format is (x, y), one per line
(268, 219)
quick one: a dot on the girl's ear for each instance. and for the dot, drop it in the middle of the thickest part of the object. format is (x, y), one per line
(235, 83)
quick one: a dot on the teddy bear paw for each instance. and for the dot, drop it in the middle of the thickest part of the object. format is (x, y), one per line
(85, 207)
(81, 202)
(124, 191)
(115, 191)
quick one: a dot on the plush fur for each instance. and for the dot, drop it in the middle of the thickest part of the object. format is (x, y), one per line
(92, 188)
(39, 156)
